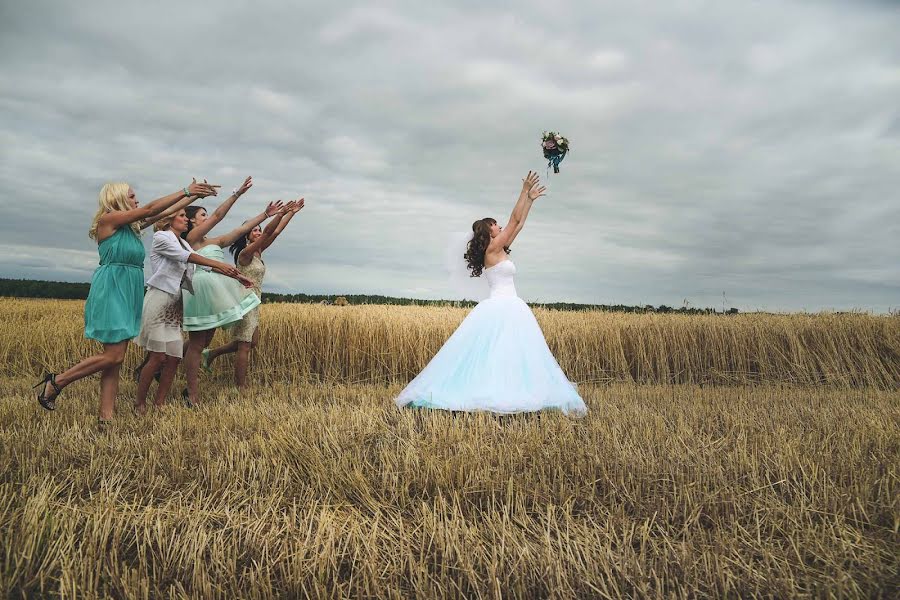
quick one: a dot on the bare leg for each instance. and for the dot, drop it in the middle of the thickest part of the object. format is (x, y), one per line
(224, 349)
(192, 361)
(112, 355)
(109, 387)
(165, 381)
(140, 367)
(242, 359)
(151, 366)
(197, 341)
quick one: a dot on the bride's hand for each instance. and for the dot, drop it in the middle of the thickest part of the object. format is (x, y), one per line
(530, 181)
(536, 192)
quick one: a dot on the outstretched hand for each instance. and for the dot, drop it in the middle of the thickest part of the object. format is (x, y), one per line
(298, 205)
(248, 183)
(288, 207)
(202, 190)
(531, 185)
(536, 192)
(230, 271)
(226, 270)
(273, 207)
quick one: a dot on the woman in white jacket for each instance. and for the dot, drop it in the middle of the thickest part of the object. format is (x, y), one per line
(172, 263)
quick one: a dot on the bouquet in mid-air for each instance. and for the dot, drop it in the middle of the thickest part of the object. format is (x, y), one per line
(555, 147)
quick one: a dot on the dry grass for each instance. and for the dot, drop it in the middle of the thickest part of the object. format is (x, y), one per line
(388, 344)
(315, 485)
(329, 491)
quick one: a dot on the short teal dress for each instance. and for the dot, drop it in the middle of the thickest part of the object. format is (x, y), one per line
(217, 300)
(112, 312)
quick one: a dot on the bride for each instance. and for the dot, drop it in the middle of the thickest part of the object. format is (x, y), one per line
(497, 360)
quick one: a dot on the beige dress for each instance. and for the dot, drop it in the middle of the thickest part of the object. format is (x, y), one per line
(244, 329)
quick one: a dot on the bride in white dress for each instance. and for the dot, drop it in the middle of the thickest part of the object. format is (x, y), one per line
(497, 360)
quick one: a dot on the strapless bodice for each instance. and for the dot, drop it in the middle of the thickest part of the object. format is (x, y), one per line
(501, 279)
(212, 251)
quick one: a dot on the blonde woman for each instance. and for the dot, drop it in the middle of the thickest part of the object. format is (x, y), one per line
(172, 262)
(112, 313)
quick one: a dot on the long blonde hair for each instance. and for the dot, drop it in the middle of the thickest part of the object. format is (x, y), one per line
(113, 196)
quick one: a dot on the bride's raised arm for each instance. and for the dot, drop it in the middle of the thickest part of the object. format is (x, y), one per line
(531, 191)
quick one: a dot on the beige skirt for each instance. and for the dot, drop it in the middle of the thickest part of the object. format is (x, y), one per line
(161, 323)
(243, 330)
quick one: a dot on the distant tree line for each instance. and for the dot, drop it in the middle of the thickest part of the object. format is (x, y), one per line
(28, 288)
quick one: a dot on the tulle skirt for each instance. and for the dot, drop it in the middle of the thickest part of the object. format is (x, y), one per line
(496, 361)
(217, 301)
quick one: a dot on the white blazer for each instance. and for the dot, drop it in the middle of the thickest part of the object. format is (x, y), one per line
(169, 263)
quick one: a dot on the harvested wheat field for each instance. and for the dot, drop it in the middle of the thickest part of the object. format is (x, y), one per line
(742, 456)
(391, 344)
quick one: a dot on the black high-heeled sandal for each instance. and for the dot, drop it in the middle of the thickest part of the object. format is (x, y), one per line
(43, 400)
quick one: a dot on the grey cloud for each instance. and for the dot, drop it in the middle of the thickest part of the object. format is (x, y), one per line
(751, 148)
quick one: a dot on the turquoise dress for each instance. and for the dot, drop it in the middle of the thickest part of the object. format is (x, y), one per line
(112, 312)
(217, 300)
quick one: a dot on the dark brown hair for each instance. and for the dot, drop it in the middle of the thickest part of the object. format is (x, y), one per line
(239, 244)
(191, 212)
(481, 239)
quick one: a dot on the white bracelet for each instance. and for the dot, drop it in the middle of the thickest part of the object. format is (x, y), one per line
(234, 192)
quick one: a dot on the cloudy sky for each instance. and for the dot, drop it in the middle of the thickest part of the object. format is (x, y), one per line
(750, 148)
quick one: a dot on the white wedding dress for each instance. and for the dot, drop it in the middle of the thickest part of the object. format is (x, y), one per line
(496, 361)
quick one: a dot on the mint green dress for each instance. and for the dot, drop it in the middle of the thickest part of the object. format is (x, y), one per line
(217, 300)
(112, 312)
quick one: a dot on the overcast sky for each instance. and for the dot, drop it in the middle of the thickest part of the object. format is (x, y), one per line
(750, 148)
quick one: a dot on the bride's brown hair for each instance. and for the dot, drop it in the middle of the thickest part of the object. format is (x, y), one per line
(481, 239)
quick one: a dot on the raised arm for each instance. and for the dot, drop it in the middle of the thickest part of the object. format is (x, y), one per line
(119, 218)
(230, 237)
(531, 191)
(246, 255)
(295, 207)
(196, 234)
(183, 203)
